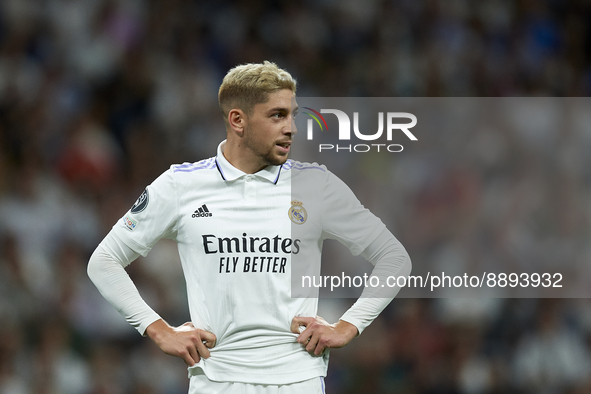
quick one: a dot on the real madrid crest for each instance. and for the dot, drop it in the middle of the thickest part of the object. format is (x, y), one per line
(297, 213)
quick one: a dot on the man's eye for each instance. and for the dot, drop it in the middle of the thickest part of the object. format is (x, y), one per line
(277, 115)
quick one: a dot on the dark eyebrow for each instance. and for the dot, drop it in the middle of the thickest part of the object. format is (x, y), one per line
(278, 109)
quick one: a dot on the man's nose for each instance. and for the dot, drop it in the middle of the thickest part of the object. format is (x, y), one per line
(292, 127)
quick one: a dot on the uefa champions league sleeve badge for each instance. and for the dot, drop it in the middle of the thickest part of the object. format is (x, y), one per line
(297, 213)
(141, 203)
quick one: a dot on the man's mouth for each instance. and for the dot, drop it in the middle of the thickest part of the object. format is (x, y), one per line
(284, 146)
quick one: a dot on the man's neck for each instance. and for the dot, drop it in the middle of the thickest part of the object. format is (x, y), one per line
(242, 160)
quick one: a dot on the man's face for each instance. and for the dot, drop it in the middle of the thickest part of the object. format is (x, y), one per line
(269, 130)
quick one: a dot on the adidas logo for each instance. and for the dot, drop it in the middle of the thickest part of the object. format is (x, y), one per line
(202, 212)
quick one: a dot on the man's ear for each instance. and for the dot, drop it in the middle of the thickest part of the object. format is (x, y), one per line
(237, 120)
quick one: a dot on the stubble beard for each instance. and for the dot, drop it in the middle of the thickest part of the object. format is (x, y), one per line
(265, 155)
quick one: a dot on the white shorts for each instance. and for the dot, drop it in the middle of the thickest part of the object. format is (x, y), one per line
(200, 384)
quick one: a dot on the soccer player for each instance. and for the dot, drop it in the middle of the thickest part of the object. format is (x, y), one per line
(245, 221)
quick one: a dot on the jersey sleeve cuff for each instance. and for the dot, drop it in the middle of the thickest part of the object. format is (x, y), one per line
(143, 326)
(357, 323)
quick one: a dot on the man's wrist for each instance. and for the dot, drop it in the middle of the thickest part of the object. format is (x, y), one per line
(346, 328)
(155, 329)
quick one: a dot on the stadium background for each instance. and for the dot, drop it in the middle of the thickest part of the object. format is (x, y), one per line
(97, 98)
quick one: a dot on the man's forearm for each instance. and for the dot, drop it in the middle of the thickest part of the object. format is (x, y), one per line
(390, 259)
(107, 272)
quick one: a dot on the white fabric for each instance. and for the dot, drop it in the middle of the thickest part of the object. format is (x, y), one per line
(106, 269)
(237, 247)
(390, 259)
(200, 384)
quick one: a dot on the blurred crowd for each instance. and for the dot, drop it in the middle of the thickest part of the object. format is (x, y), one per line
(98, 97)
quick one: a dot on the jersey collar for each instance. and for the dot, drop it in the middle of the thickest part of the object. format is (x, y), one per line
(231, 173)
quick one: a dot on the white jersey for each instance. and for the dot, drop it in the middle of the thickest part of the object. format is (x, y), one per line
(238, 235)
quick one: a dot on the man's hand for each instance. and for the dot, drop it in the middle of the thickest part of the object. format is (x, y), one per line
(319, 335)
(186, 341)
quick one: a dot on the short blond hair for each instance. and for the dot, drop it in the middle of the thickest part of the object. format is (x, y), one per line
(249, 84)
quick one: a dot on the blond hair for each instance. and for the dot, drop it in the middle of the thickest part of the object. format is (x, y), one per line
(249, 84)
